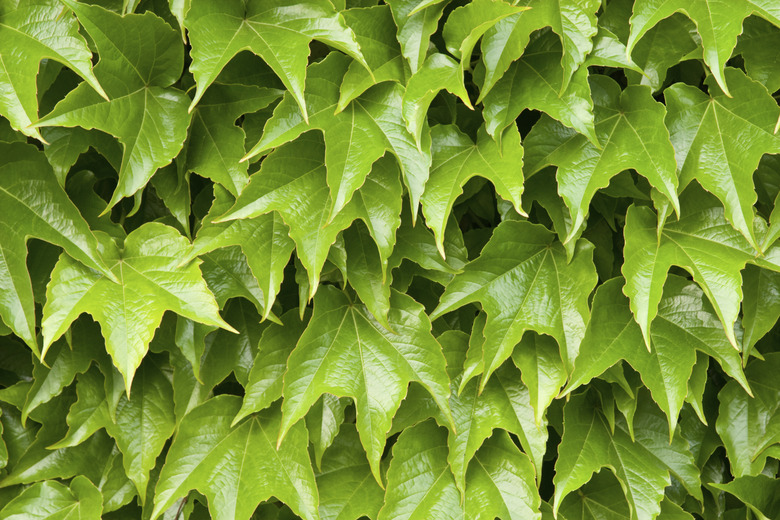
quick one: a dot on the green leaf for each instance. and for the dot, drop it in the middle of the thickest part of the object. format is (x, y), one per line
(278, 31)
(140, 57)
(685, 323)
(347, 488)
(701, 241)
(34, 205)
(748, 425)
(760, 493)
(324, 421)
(149, 282)
(524, 282)
(51, 500)
(719, 141)
(755, 44)
(536, 81)
(456, 159)
(355, 137)
(216, 462)
(574, 21)
(89, 413)
(346, 352)
(542, 370)
(215, 144)
(415, 27)
(500, 483)
(718, 24)
(600, 499)
(642, 465)
(760, 305)
(630, 128)
(31, 31)
(365, 273)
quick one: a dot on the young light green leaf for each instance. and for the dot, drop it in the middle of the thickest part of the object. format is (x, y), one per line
(600, 499)
(748, 425)
(760, 306)
(215, 144)
(719, 141)
(34, 205)
(347, 488)
(536, 82)
(216, 462)
(89, 413)
(355, 138)
(685, 323)
(346, 352)
(701, 241)
(375, 33)
(324, 421)
(31, 31)
(149, 282)
(140, 57)
(279, 31)
(717, 22)
(642, 465)
(630, 128)
(456, 159)
(524, 282)
(415, 27)
(50, 500)
(541, 369)
(364, 271)
(574, 21)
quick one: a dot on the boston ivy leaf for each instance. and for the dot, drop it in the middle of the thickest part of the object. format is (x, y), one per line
(701, 241)
(524, 282)
(642, 465)
(364, 271)
(375, 33)
(346, 352)
(439, 72)
(685, 323)
(324, 421)
(89, 413)
(51, 500)
(755, 44)
(630, 128)
(500, 482)
(719, 141)
(355, 138)
(536, 81)
(760, 493)
(600, 499)
(31, 31)
(718, 24)
(541, 369)
(573, 21)
(34, 205)
(215, 144)
(149, 282)
(415, 27)
(140, 57)
(456, 159)
(748, 425)
(347, 488)
(278, 32)
(466, 24)
(760, 306)
(215, 461)
(228, 275)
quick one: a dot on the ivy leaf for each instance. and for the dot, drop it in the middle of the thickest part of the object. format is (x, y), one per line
(703, 130)
(466, 24)
(748, 425)
(30, 32)
(34, 205)
(500, 484)
(375, 33)
(701, 241)
(524, 282)
(642, 465)
(347, 488)
(600, 499)
(759, 493)
(140, 57)
(364, 272)
(89, 413)
(630, 128)
(215, 144)
(755, 44)
(416, 23)
(760, 305)
(456, 159)
(685, 323)
(718, 24)
(278, 32)
(130, 309)
(346, 352)
(573, 21)
(355, 137)
(213, 461)
(324, 421)
(541, 369)
(51, 500)
(536, 81)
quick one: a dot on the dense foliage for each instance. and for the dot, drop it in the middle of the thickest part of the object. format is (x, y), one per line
(435, 259)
